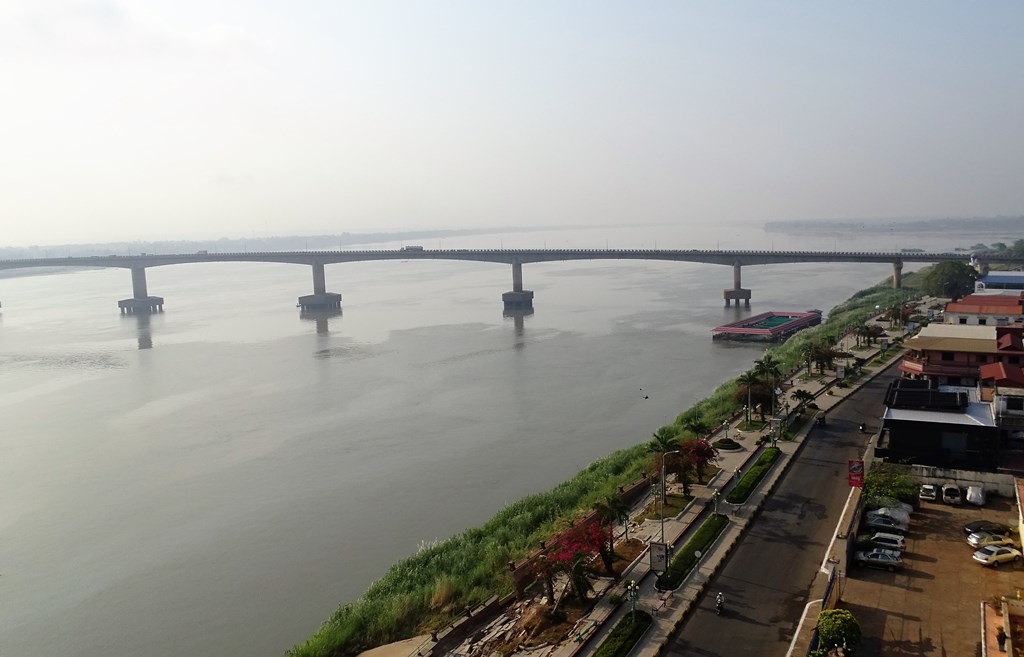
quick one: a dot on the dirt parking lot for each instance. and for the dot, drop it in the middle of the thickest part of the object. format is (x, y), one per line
(932, 606)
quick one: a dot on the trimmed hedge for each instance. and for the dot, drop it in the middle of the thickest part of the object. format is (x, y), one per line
(741, 491)
(727, 444)
(625, 634)
(684, 561)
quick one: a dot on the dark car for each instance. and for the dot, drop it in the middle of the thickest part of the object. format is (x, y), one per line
(879, 558)
(985, 526)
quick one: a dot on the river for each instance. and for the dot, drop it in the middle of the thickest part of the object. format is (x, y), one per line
(216, 479)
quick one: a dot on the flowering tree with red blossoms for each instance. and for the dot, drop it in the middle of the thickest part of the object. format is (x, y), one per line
(573, 549)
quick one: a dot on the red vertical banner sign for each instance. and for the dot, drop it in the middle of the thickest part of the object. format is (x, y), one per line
(855, 472)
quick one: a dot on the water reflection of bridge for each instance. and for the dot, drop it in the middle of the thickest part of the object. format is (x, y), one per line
(517, 299)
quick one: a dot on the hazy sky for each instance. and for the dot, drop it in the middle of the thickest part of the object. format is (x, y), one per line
(166, 119)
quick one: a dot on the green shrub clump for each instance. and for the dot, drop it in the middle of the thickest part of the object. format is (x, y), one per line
(685, 560)
(741, 491)
(625, 635)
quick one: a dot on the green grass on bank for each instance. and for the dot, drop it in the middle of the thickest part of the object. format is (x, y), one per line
(433, 587)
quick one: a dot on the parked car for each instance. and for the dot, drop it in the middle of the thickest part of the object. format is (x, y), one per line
(891, 502)
(951, 494)
(895, 514)
(985, 526)
(885, 524)
(993, 555)
(882, 540)
(976, 495)
(984, 539)
(879, 558)
(928, 493)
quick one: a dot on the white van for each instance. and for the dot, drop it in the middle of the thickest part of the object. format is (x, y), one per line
(976, 495)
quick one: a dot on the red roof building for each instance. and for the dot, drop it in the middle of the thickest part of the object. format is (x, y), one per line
(986, 310)
(954, 355)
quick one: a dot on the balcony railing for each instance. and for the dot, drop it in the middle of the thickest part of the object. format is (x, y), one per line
(925, 368)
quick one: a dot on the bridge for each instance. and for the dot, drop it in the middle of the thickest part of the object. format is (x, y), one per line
(518, 298)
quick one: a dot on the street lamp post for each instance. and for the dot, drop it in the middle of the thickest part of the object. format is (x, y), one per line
(633, 592)
(714, 495)
(662, 514)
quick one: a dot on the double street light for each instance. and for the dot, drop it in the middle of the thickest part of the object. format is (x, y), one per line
(663, 492)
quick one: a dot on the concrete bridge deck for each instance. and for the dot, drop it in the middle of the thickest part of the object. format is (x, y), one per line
(518, 299)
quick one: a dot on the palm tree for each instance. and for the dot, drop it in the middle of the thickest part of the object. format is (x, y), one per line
(665, 439)
(695, 424)
(768, 368)
(610, 510)
(748, 379)
(803, 396)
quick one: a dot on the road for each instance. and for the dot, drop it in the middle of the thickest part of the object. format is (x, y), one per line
(767, 579)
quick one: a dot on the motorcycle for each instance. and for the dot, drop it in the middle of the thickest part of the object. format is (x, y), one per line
(719, 604)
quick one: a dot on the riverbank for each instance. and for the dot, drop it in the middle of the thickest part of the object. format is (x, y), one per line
(428, 590)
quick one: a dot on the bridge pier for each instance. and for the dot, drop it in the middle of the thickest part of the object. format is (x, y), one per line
(737, 292)
(518, 298)
(140, 302)
(897, 274)
(321, 299)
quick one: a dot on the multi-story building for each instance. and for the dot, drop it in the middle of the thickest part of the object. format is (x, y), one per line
(986, 310)
(1002, 386)
(953, 354)
(961, 403)
(943, 426)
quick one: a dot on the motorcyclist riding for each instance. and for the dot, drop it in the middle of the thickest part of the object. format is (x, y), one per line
(719, 602)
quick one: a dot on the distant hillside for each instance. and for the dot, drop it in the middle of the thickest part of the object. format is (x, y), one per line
(977, 225)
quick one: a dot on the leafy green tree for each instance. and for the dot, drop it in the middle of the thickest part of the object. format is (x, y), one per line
(837, 627)
(948, 279)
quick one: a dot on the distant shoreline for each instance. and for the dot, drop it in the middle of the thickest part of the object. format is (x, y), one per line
(993, 226)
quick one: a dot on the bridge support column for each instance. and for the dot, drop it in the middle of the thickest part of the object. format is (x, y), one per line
(737, 292)
(140, 302)
(518, 298)
(897, 274)
(321, 299)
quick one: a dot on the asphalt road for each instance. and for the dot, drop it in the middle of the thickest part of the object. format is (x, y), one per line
(767, 579)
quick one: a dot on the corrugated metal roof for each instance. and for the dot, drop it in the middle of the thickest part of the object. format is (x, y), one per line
(955, 337)
(959, 331)
(965, 345)
(977, 415)
(1003, 277)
